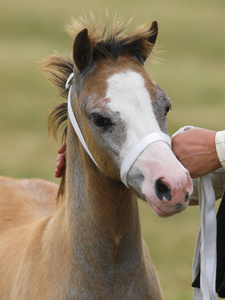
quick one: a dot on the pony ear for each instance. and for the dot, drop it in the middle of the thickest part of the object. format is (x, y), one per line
(153, 30)
(82, 50)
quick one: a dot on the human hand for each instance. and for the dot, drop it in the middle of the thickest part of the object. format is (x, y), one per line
(60, 161)
(196, 150)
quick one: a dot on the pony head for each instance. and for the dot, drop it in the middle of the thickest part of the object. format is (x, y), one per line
(117, 105)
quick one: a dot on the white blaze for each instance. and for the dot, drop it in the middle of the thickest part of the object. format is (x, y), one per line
(129, 96)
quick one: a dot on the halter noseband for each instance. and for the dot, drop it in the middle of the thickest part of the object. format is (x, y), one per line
(135, 152)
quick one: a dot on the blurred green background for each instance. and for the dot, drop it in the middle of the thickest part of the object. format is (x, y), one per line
(191, 35)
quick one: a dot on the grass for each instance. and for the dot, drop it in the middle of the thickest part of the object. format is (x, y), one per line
(192, 74)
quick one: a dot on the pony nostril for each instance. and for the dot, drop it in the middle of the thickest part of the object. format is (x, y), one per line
(162, 190)
(186, 197)
(178, 206)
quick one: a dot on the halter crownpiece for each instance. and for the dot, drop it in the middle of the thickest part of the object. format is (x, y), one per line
(135, 152)
(74, 121)
(68, 82)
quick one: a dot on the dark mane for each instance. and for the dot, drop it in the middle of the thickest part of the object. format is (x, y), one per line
(114, 48)
(113, 40)
(58, 68)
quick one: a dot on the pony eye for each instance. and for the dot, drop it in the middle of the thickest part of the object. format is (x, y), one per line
(167, 109)
(100, 121)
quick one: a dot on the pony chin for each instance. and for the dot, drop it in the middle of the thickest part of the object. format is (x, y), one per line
(147, 194)
(159, 210)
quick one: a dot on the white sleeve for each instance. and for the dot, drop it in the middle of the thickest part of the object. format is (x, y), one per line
(220, 146)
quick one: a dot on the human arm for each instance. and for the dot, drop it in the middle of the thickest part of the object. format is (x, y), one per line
(195, 158)
(201, 151)
(60, 161)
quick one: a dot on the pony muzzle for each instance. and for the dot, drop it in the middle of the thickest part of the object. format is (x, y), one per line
(137, 150)
(160, 178)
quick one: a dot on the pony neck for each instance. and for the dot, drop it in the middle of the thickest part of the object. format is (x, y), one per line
(100, 211)
(100, 225)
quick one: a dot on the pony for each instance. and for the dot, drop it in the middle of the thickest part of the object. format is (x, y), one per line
(88, 243)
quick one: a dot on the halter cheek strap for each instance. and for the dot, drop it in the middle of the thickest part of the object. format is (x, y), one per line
(74, 121)
(135, 152)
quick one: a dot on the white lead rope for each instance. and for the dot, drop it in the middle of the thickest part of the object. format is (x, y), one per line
(205, 250)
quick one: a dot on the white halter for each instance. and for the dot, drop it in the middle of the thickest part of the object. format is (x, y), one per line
(135, 152)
